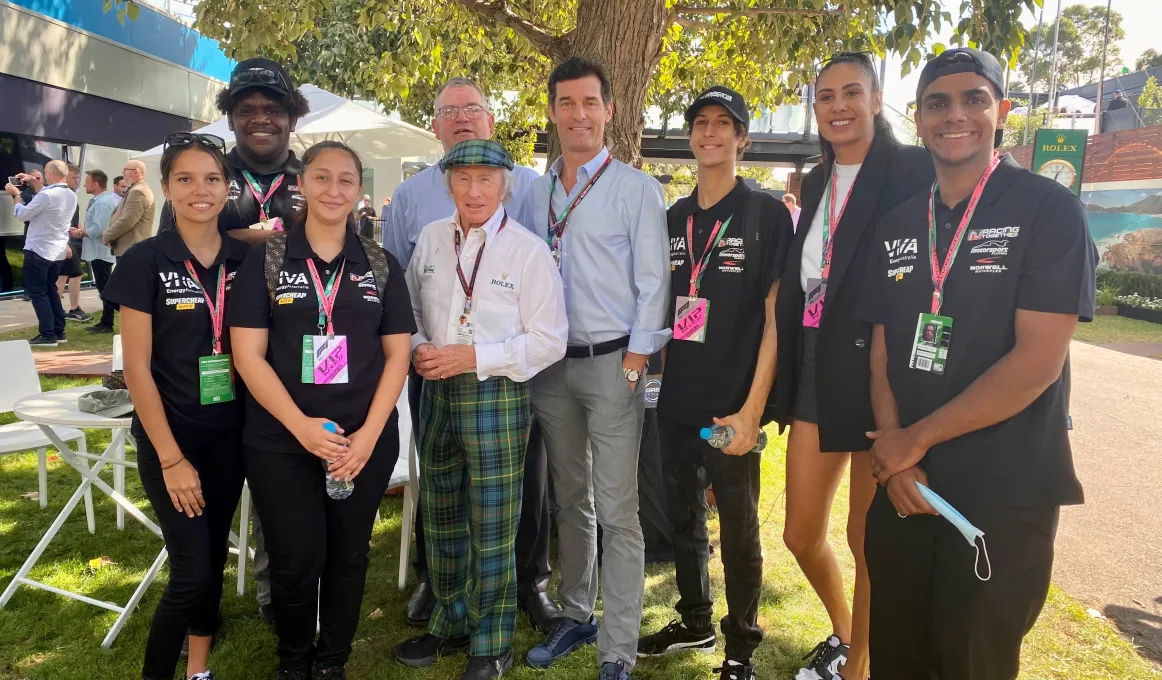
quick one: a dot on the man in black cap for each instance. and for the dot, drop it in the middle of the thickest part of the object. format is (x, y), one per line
(978, 417)
(262, 108)
(1118, 102)
(727, 247)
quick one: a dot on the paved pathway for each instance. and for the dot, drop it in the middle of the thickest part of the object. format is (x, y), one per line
(16, 314)
(1139, 349)
(1109, 551)
(74, 363)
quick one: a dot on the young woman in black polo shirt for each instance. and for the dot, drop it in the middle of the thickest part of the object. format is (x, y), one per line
(172, 289)
(822, 385)
(322, 341)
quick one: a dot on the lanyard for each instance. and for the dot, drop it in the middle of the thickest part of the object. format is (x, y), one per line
(831, 221)
(557, 226)
(466, 284)
(218, 309)
(940, 273)
(256, 189)
(697, 270)
(326, 296)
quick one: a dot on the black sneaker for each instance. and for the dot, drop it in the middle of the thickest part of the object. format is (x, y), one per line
(284, 674)
(61, 339)
(487, 667)
(99, 328)
(328, 673)
(79, 314)
(676, 637)
(43, 341)
(735, 670)
(425, 650)
(265, 611)
(826, 659)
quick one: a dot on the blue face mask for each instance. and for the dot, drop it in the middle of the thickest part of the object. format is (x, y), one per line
(970, 533)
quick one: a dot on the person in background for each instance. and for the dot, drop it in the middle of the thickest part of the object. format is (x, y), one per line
(461, 113)
(606, 225)
(731, 242)
(172, 290)
(1118, 102)
(367, 218)
(822, 392)
(385, 208)
(309, 432)
(71, 270)
(26, 194)
(792, 204)
(120, 187)
(102, 203)
(45, 245)
(132, 221)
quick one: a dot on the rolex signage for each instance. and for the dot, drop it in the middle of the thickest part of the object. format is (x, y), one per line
(1060, 156)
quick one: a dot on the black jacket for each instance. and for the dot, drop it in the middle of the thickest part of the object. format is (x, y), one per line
(891, 173)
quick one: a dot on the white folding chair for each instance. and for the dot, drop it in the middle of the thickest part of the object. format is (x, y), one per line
(21, 380)
(407, 475)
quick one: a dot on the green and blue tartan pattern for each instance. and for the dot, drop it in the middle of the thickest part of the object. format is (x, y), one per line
(477, 152)
(472, 448)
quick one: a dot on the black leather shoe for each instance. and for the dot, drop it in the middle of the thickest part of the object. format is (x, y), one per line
(542, 611)
(266, 611)
(425, 650)
(487, 667)
(420, 605)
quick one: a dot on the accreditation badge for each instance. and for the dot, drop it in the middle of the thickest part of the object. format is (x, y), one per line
(465, 328)
(690, 318)
(930, 348)
(324, 359)
(215, 379)
(813, 310)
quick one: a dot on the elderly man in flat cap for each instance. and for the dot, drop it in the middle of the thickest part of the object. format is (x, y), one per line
(490, 309)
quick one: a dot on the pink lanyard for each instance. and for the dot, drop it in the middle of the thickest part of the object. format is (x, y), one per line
(326, 295)
(940, 273)
(263, 201)
(697, 269)
(218, 310)
(831, 221)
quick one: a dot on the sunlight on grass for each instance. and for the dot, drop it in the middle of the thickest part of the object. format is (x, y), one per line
(1116, 329)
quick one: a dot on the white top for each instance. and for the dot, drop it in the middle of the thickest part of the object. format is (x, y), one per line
(49, 215)
(812, 264)
(59, 407)
(518, 302)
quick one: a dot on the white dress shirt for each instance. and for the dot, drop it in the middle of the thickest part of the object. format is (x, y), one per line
(518, 302)
(49, 215)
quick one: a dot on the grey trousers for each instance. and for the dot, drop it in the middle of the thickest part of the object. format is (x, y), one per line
(592, 425)
(261, 563)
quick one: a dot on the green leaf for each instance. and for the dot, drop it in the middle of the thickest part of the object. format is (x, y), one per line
(938, 48)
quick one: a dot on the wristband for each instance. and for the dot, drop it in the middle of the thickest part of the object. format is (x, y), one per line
(179, 460)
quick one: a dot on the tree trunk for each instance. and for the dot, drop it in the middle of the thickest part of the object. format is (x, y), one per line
(626, 37)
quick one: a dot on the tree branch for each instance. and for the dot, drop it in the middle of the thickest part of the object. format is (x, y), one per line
(549, 43)
(751, 12)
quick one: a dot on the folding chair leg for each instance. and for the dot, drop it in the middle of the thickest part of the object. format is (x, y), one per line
(243, 539)
(83, 447)
(405, 533)
(42, 475)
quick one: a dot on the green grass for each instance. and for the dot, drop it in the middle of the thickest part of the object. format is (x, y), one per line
(43, 636)
(80, 340)
(1116, 329)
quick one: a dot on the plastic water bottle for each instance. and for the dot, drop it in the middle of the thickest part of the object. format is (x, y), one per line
(336, 488)
(719, 437)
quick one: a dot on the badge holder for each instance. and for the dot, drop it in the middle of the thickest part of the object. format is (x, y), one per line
(325, 357)
(930, 347)
(465, 326)
(813, 310)
(215, 379)
(691, 314)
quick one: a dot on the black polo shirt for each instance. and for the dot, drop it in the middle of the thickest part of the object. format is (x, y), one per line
(359, 314)
(151, 277)
(241, 209)
(1027, 247)
(704, 380)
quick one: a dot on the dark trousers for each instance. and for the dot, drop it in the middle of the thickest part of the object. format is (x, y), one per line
(6, 281)
(40, 277)
(102, 270)
(318, 547)
(536, 522)
(691, 464)
(931, 617)
(197, 545)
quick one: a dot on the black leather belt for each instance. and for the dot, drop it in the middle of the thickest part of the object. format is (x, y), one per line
(586, 351)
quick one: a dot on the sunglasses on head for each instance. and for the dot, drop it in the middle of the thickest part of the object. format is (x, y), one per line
(259, 76)
(188, 138)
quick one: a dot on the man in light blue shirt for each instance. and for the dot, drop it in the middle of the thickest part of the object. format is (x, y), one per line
(606, 224)
(461, 113)
(93, 249)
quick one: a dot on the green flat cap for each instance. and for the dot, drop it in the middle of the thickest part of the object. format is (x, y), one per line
(477, 152)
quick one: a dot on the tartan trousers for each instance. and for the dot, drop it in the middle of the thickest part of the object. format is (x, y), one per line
(472, 448)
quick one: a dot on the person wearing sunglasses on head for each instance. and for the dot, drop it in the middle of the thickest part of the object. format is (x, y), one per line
(822, 388)
(262, 107)
(172, 290)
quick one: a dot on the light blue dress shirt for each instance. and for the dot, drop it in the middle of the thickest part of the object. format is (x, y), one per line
(97, 215)
(615, 253)
(49, 215)
(423, 199)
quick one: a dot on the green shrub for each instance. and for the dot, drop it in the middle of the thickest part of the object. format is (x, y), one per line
(1131, 283)
(1107, 295)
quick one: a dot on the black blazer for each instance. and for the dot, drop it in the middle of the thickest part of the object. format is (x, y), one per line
(891, 174)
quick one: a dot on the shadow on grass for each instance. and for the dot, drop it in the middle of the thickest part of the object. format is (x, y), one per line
(1143, 628)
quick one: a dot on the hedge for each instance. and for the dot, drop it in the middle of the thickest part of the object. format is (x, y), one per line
(1131, 283)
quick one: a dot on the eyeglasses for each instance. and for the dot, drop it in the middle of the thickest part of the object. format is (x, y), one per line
(188, 138)
(260, 76)
(471, 111)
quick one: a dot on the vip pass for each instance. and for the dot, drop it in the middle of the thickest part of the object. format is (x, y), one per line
(692, 313)
(557, 226)
(215, 372)
(465, 328)
(817, 288)
(325, 357)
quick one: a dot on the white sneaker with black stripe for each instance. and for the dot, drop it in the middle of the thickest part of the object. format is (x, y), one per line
(826, 659)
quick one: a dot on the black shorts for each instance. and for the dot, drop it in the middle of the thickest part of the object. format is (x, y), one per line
(71, 267)
(806, 408)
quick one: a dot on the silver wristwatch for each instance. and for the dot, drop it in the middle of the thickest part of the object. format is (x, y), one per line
(631, 374)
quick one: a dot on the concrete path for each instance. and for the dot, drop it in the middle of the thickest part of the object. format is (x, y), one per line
(74, 363)
(17, 314)
(1109, 551)
(1139, 349)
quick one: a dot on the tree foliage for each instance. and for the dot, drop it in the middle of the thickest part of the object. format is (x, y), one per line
(1079, 48)
(1148, 59)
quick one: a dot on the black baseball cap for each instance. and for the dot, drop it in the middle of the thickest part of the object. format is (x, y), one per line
(723, 96)
(962, 60)
(260, 73)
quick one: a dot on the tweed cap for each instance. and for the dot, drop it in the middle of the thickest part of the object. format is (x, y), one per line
(477, 152)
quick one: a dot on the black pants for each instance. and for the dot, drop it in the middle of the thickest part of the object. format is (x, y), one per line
(40, 277)
(931, 617)
(197, 546)
(102, 270)
(736, 488)
(532, 537)
(6, 280)
(318, 547)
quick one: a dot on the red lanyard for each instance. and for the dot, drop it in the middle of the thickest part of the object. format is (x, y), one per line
(940, 273)
(326, 295)
(557, 226)
(470, 285)
(831, 220)
(699, 268)
(263, 201)
(217, 310)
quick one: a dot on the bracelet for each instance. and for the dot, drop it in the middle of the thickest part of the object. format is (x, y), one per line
(179, 461)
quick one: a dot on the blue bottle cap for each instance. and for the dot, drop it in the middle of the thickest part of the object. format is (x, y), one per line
(706, 433)
(330, 427)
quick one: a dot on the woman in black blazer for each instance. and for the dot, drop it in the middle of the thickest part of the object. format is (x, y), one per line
(822, 380)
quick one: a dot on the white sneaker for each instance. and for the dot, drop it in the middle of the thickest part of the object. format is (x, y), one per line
(826, 659)
(204, 675)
